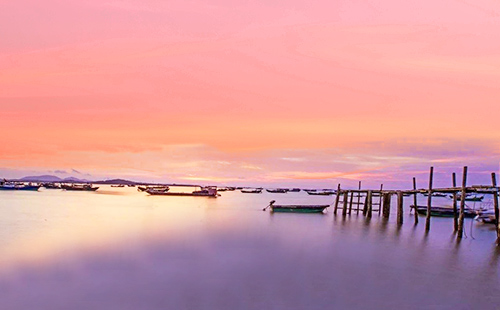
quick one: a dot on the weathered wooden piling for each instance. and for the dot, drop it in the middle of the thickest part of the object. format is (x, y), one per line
(400, 208)
(337, 199)
(368, 204)
(346, 200)
(462, 204)
(359, 197)
(429, 201)
(415, 204)
(350, 203)
(387, 205)
(365, 205)
(380, 199)
(455, 211)
(495, 204)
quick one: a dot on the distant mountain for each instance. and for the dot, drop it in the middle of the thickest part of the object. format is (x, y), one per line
(41, 178)
(116, 181)
(75, 180)
(52, 178)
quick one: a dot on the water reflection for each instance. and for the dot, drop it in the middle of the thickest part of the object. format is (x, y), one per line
(130, 251)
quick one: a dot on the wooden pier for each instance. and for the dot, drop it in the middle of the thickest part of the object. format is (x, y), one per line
(365, 200)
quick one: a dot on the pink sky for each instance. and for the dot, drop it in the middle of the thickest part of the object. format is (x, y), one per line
(249, 92)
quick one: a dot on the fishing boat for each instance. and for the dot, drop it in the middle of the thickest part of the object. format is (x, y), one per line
(444, 211)
(277, 190)
(209, 191)
(118, 185)
(159, 188)
(296, 208)
(51, 186)
(295, 190)
(436, 194)
(470, 197)
(322, 193)
(79, 187)
(251, 190)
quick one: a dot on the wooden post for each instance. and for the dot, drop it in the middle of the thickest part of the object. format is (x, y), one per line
(387, 205)
(359, 197)
(415, 203)
(346, 200)
(369, 203)
(365, 205)
(350, 203)
(462, 205)
(455, 211)
(400, 208)
(337, 200)
(380, 199)
(495, 203)
(429, 201)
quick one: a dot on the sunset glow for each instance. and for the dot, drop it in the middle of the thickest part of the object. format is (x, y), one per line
(249, 92)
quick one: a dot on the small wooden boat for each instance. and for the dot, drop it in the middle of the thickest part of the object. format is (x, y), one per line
(118, 185)
(203, 192)
(295, 190)
(436, 194)
(444, 211)
(470, 197)
(79, 187)
(296, 208)
(51, 186)
(251, 191)
(323, 193)
(277, 190)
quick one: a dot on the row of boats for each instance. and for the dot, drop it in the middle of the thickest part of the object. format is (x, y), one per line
(20, 186)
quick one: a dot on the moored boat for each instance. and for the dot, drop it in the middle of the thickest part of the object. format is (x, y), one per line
(79, 187)
(277, 190)
(322, 193)
(209, 191)
(296, 208)
(251, 190)
(444, 211)
(486, 216)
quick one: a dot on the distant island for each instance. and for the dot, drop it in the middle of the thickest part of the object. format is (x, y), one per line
(55, 179)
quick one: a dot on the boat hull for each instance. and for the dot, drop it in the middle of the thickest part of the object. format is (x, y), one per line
(180, 194)
(299, 209)
(21, 188)
(444, 212)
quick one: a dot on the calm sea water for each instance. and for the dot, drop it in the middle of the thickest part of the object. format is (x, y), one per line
(121, 249)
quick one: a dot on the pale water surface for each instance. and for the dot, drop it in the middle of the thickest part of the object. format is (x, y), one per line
(121, 249)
